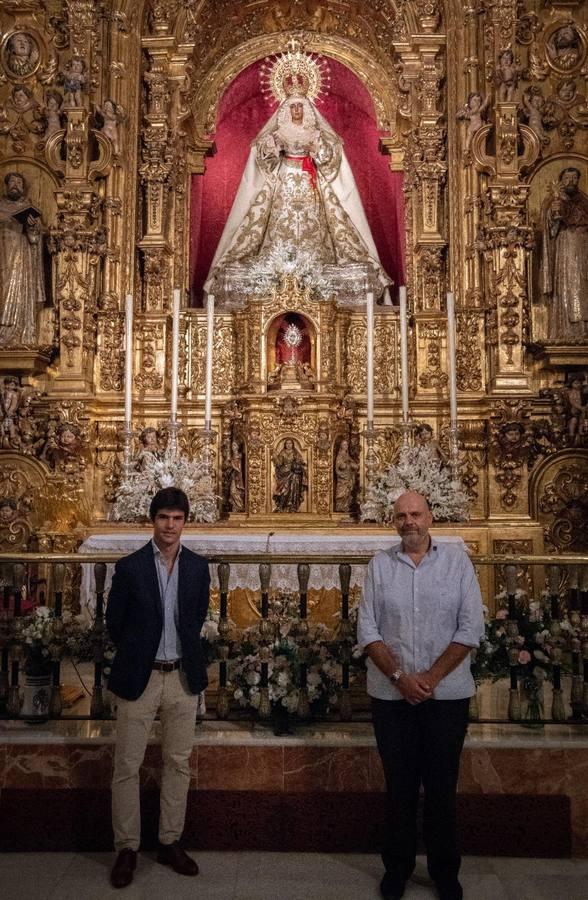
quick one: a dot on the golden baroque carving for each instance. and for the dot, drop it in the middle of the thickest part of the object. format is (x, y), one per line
(111, 353)
(221, 51)
(562, 503)
(149, 378)
(470, 351)
(511, 445)
(431, 342)
(356, 369)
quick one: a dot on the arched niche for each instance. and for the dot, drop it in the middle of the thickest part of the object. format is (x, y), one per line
(291, 341)
(240, 115)
(558, 489)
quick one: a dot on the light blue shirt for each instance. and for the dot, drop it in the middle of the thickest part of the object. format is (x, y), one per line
(417, 611)
(170, 646)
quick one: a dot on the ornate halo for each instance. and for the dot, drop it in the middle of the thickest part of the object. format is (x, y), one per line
(294, 72)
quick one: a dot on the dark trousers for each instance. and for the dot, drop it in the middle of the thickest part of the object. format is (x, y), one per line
(421, 744)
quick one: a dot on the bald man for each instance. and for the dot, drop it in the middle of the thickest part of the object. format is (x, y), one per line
(419, 618)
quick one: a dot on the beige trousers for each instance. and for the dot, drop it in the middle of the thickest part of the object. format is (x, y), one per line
(166, 692)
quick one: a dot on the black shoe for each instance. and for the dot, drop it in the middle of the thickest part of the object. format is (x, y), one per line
(449, 890)
(173, 855)
(122, 870)
(392, 888)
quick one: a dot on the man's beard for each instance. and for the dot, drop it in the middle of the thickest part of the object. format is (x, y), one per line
(412, 539)
(14, 193)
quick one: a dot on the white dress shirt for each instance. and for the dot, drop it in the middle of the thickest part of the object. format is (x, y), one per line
(170, 646)
(417, 611)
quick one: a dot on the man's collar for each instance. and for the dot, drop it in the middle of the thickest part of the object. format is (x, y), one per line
(433, 546)
(156, 549)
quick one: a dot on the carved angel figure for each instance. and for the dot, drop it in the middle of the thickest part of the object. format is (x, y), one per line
(112, 117)
(506, 76)
(473, 113)
(577, 408)
(74, 79)
(10, 397)
(53, 104)
(533, 109)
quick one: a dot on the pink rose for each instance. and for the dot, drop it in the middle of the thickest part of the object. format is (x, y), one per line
(524, 657)
(502, 614)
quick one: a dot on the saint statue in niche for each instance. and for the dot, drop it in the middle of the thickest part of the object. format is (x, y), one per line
(297, 209)
(564, 264)
(22, 275)
(290, 478)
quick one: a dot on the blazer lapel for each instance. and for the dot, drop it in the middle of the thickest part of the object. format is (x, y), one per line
(183, 564)
(152, 579)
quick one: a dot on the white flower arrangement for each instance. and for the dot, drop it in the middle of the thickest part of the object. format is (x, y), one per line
(416, 470)
(171, 470)
(287, 653)
(285, 258)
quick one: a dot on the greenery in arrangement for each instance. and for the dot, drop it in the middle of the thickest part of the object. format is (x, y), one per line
(47, 637)
(537, 637)
(291, 644)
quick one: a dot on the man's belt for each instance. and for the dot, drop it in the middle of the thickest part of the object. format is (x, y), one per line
(162, 666)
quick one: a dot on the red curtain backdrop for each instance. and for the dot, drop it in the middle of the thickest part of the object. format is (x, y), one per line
(242, 113)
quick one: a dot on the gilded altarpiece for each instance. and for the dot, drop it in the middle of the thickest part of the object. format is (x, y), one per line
(109, 111)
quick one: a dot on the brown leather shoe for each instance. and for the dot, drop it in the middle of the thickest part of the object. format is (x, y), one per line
(122, 871)
(173, 855)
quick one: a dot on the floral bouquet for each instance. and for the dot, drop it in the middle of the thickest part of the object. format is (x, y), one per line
(292, 643)
(536, 639)
(172, 470)
(81, 645)
(416, 470)
(46, 637)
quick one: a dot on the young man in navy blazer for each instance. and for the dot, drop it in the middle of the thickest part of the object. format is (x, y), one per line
(156, 607)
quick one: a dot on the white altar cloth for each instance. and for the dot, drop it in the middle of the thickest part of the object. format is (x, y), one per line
(302, 547)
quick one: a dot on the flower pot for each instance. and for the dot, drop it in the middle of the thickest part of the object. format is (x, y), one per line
(36, 692)
(532, 704)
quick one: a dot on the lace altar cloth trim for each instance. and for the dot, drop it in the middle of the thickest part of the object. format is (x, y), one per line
(283, 576)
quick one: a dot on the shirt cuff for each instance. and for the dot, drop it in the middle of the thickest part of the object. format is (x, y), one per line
(466, 638)
(369, 638)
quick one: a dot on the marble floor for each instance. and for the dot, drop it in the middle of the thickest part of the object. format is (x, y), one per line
(280, 876)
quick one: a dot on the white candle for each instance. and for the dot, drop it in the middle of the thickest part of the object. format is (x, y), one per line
(175, 354)
(451, 366)
(403, 354)
(128, 360)
(209, 340)
(370, 358)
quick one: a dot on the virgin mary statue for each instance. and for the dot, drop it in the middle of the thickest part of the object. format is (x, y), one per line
(297, 211)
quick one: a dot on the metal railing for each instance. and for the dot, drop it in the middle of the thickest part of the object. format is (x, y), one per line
(54, 580)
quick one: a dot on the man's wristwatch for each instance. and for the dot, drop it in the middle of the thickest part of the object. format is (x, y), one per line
(396, 676)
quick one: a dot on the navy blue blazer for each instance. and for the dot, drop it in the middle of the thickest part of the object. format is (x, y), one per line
(134, 619)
